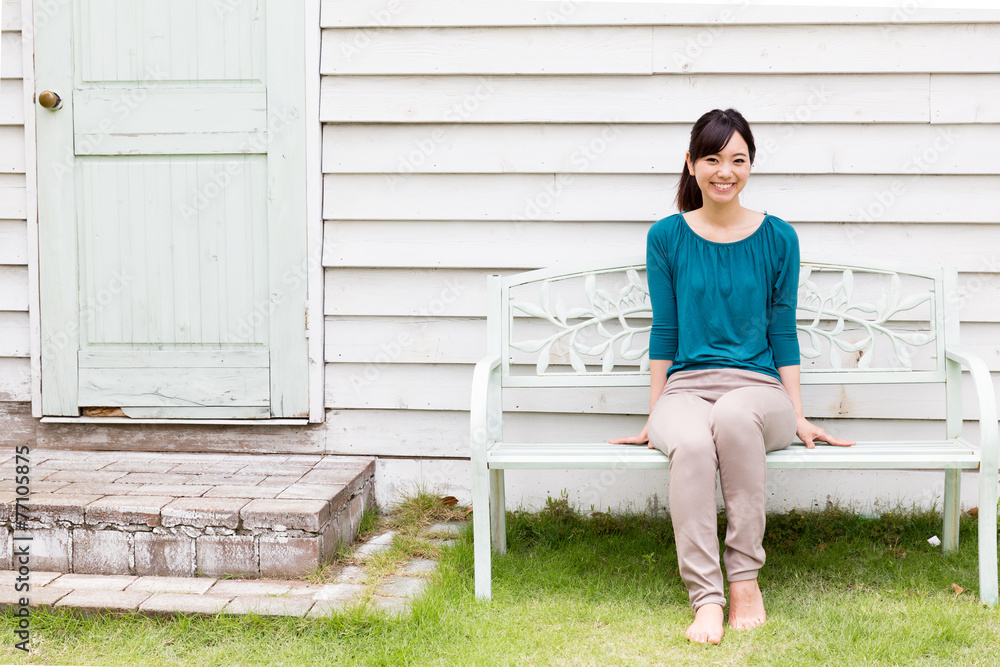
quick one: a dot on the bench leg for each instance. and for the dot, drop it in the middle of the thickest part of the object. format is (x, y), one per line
(988, 584)
(498, 511)
(952, 492)
(481, 531)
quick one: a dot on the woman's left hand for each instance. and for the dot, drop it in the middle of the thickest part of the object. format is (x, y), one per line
(809, 432)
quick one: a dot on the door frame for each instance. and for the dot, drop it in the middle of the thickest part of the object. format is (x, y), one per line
(315, 329)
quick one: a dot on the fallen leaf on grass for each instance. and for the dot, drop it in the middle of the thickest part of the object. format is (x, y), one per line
(448, 500)
(958, 589)
(468, 511)
(973, 512)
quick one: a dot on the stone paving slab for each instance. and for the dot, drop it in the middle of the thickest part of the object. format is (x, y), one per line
(100, 600)
(268, 605)
(171, 603)
(107, 582)
(152, 584)
(236, 587)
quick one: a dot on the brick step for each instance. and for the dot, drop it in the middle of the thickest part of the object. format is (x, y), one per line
(182, 514)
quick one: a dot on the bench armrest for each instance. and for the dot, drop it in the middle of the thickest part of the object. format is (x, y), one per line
(988, 429)
(485, 406)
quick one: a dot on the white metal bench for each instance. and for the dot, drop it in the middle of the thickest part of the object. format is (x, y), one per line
(583, 331)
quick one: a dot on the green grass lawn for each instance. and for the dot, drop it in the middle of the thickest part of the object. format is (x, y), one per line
(840, 589)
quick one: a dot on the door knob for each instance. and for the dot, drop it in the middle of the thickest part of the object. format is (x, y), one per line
(49, 100)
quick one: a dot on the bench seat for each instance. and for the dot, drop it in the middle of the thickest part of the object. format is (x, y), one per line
(896, 455)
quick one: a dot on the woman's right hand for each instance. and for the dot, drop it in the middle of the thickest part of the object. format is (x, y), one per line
(640, 439)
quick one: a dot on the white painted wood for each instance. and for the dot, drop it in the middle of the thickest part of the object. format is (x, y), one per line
(10, 55)
(896, 98)
(437, 340)
(288, 259)
(550, 50)
(12, 196)
(11, 102)
(11, 149)
(13, 242)
(433, 433)
(14, 288)
(144, 358)
(636, 197)
(825, 48)
(169, 120)
(513, 244)
(15, 379)
(179, 247)
(31, 208)
(105, 421)
(182, 387)
(316, 326)
(649, 148)
(376, 13)
(10, 15)
(14, 335)
(960, 98)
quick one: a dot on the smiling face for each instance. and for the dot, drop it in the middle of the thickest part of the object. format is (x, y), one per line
(722, 176)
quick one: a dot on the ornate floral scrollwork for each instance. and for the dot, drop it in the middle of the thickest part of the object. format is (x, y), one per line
(834, 314)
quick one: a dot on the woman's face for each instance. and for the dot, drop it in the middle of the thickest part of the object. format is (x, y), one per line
(723, 175)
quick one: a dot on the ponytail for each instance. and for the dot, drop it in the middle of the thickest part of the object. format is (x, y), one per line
(688, 193)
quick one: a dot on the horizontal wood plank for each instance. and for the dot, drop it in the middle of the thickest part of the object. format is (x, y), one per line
(596, 197)
(555, 50)
(14, 288)
(11, 13)
(644, 148)
(10, 55)
(380, 340)
(815, 98)
(512, 244)
(11, 149)
(15, 379)
(11, 102)
(825, 48)
(186, 387)
(13, 197)
(381, 14)
(13, 242)
(170, 358)
(961, 98)
(14, 334)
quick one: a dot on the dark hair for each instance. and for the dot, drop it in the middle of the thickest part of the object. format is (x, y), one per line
(710, 135)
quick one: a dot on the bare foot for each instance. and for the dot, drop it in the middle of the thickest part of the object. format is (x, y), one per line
(707, 626)
(746, 605)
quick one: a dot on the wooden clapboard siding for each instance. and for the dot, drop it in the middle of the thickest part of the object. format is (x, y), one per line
(839, 98)
(15, 348)
(417, 13)
(513, 244)
(674, 49)
(14, 334)
(622, 148)
(645, 197)
(964, 98)
(462, 139)
(590, 50)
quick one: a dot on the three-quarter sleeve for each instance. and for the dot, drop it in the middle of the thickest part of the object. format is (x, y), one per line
(663, 337)
(781, 333)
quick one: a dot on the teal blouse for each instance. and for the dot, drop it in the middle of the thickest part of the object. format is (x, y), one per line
(723, 305)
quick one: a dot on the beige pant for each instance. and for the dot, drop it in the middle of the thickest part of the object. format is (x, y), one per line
(719, 420)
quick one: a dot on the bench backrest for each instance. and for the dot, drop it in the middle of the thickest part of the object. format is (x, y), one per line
(588, 326)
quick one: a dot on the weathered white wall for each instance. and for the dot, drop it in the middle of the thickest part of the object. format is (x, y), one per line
(15, 368)
(462, 139)
(466, 139)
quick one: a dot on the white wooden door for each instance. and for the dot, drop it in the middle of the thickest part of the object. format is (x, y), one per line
(171, 186)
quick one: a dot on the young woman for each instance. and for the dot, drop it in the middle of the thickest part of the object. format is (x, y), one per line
(724, 368)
